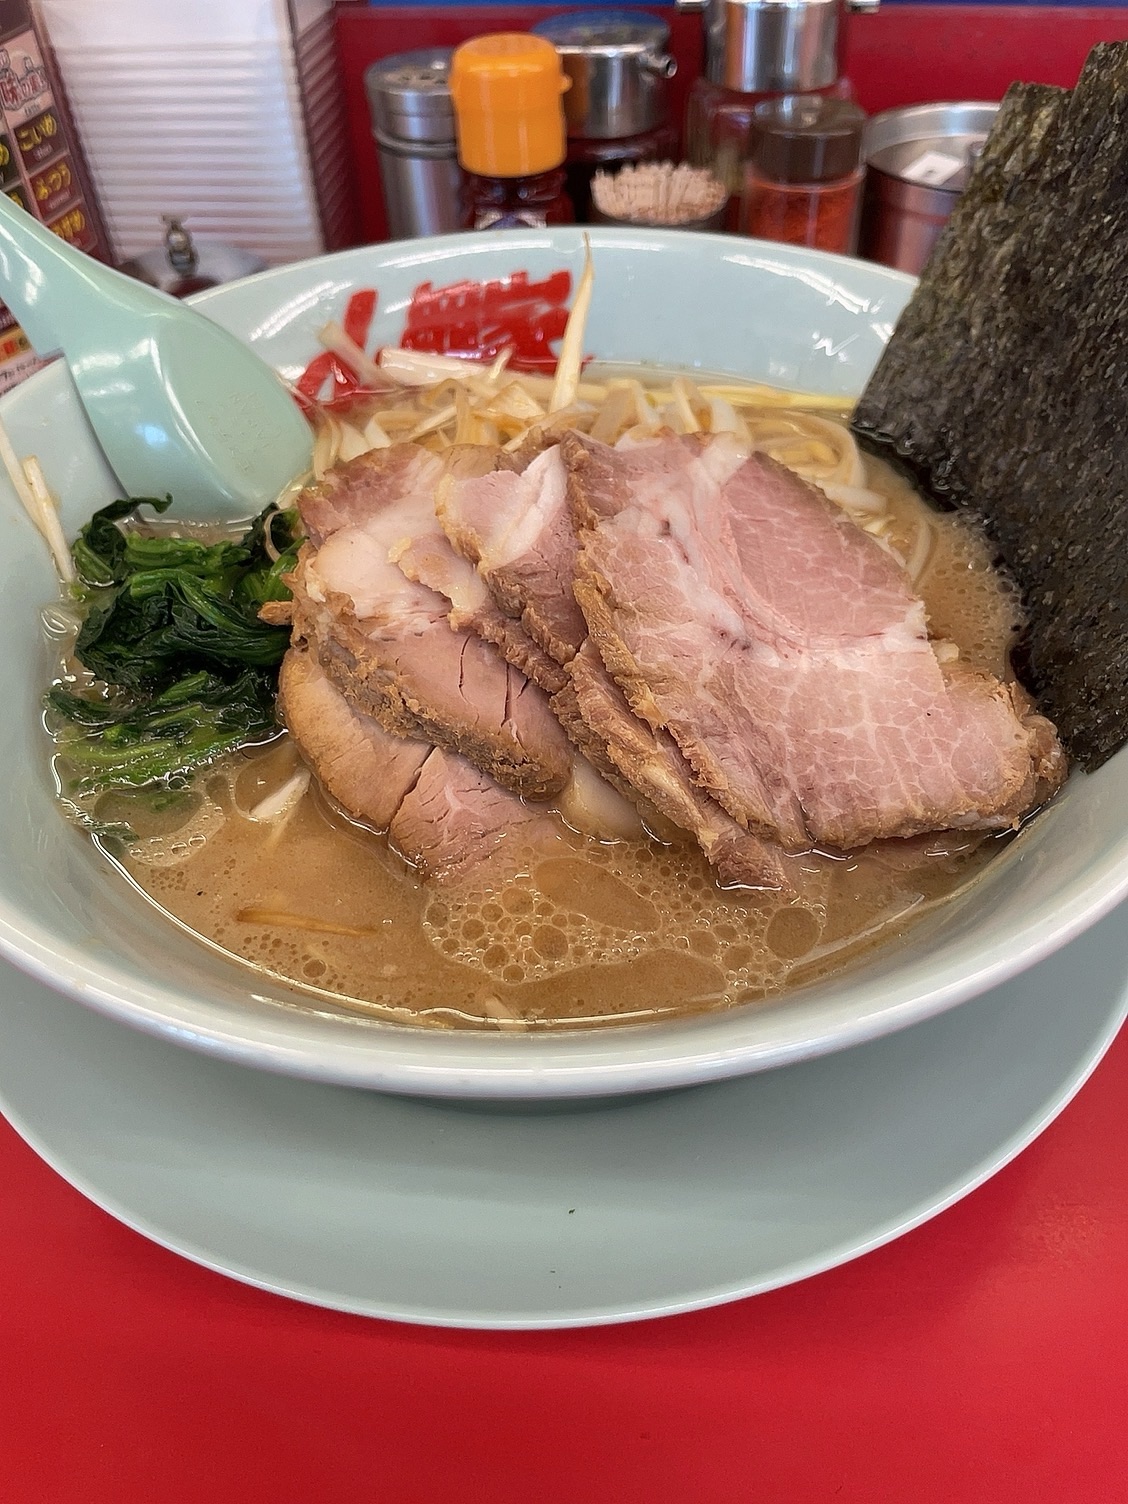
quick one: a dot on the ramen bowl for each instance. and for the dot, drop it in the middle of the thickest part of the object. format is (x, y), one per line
(789, 317)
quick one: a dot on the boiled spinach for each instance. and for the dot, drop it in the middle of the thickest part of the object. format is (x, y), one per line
(183, 667)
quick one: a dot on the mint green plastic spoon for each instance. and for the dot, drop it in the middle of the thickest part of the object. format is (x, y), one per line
(179, 405)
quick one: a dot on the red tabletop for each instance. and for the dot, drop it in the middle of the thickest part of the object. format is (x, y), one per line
(982, 1358)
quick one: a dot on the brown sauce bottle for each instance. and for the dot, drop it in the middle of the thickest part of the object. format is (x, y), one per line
(507, 90)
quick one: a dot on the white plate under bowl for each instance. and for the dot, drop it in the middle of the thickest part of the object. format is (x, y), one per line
(775, 313)
(481, 1216)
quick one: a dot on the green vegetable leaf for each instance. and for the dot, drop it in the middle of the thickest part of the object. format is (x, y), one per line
(133, 741)
(99, 550)
(263, 581)
(185, 669)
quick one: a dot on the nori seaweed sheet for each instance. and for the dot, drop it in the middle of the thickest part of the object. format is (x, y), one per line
(1004, 388)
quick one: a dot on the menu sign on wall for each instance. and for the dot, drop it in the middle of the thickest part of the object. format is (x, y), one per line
(38, 163)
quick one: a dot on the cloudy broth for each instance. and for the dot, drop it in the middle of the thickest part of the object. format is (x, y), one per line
(571, 931)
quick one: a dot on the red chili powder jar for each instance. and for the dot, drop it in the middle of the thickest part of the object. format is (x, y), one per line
(803, 180)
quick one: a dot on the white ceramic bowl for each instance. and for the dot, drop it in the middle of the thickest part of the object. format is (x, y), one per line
(798, 319)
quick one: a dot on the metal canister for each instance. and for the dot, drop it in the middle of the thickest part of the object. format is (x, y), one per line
(918, 161)
(413, 124)
(183, 265)
(617, 108)
(619, 67)
(756, 50)
(772, 46)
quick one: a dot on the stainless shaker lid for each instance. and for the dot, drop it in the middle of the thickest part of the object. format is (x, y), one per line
(618, 66)
(626, 31)
(409, 95)
(931, 145)
(772, 46)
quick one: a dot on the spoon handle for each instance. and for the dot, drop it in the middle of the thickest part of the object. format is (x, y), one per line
(179, 404)
(46, 282)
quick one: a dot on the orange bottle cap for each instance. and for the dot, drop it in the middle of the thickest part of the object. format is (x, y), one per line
(506, 90)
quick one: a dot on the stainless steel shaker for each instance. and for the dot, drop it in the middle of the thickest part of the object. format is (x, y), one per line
(617, 110)
(919, 158)
(618, 66)
(772, 46)
(756, 50)
(413, 124)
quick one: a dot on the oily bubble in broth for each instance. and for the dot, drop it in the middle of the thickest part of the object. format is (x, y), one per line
(612, 904)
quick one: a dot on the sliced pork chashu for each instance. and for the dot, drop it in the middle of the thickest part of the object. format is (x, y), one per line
(638, 760)
(387, 641)
(429, 559)
(516, 528)
(786, 653)
(362, 767)
(445, 816)
(455, 818)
